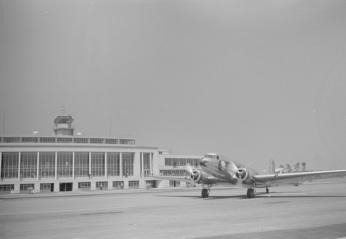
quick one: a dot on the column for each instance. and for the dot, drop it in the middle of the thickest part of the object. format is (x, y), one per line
(37, 188)
(73, 165)
(38, 167)
(92, 182)
(0, 165)
(106, 163)
(151, 163)
(141, 164)
(74, 184)
(20, 154)
(121, 165)
(89, 165)
(56, 166)
(136, 165)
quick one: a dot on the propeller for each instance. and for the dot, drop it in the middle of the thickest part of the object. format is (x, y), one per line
(227, 164)
(189, 169)
(232, 167)
(235, 171)
(194, 173)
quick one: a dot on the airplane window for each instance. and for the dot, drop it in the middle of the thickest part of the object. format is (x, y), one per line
(212, 156)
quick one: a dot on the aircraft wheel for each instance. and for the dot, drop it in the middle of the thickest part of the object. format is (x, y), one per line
(205, 193)
(250, 193)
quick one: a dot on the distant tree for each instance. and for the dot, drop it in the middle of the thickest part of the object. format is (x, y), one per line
(273, 166)
(297, 167)
(303, 166)
(288, 168)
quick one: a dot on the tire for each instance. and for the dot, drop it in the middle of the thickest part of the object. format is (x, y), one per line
(250, 193)
(205, 193)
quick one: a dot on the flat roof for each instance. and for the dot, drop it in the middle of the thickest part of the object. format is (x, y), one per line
(176, 156)
(65, 140)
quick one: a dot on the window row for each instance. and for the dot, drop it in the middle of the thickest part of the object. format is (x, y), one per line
(83, 166)
(179, 172)
(147, 161)
(181, 161)
(65, 140)
(49, 187)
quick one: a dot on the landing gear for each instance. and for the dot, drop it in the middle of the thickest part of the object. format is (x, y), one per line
(250, 193)
(205, 193)
(267, 190)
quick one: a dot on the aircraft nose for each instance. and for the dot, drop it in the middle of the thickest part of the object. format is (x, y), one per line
(203, 162)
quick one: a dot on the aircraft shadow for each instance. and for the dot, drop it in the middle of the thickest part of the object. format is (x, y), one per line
(301, 196)
(258, 195)
(199, 197)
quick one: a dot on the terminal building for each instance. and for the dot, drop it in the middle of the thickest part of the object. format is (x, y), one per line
(65, 162)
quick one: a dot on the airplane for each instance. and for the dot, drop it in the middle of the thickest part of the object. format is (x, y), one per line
(214, 169)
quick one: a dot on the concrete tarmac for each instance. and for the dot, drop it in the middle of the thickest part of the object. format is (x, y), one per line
(307, 211)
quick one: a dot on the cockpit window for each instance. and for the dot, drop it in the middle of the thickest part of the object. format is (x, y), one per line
(212, 156)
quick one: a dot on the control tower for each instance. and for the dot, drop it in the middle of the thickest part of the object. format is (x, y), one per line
(63, 125)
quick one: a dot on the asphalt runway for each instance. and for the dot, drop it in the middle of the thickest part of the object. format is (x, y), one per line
(307, 211)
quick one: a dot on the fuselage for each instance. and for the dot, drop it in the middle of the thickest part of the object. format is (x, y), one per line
(215, 170)
(227, 170)
(213, 165)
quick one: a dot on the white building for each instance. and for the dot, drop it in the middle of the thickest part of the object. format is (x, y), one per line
(65, 162)
(175, 165)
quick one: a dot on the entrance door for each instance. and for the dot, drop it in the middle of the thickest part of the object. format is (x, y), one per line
(64, 187)
(151, 183)
(47, 187)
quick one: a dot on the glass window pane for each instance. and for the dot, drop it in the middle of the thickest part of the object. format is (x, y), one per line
(127, 161)
(146, 164)
(9, 165)
(64, 164)
(81, 164)
(47, 164)
(98, 164)
(28, 165)
(113, 164)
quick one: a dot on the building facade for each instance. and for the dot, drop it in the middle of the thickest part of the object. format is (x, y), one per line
(175, 166)
(65, 162)
(73, 163)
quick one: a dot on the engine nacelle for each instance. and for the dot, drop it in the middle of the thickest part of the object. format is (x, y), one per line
(242, 174)
(222, 165)
(197, 176)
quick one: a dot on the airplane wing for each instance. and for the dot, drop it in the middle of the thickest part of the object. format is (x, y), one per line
(295, 178)
(204, 180)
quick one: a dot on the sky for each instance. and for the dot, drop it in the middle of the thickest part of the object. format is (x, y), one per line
(253, 80)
